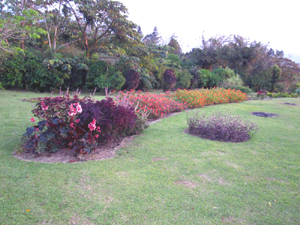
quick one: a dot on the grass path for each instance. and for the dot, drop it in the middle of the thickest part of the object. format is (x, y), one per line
(163, 176)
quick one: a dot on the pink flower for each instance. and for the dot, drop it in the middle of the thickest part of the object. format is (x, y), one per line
(72, 125)
(32, 120)
(96, 136)
(77, 121)
(37, 129)
(78, 108)
(92, 125)
(72, 111)
(98, 129)
(43, 106)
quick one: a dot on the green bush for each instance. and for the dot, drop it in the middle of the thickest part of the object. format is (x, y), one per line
(243, 89)
(102, 75)
(282, 95)
(209, 79)
(235, 80)
(224, 73)
(183, 79)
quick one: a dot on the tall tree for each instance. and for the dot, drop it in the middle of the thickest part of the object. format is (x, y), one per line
(102, 25)
(176, 49)
(153, 38)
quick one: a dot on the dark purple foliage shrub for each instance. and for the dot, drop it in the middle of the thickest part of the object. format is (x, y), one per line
(169, 80)
(220, 127)
(79, 124)
(132, 79)
(114, 120)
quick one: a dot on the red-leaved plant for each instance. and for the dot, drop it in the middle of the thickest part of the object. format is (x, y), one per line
(79, 124)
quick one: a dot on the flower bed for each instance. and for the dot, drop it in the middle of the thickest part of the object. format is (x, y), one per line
(154, 105)
(200, 98)
(82, 124)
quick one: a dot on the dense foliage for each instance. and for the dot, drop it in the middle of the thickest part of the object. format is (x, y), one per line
(25, 70)
(102, 75)
(220, 127)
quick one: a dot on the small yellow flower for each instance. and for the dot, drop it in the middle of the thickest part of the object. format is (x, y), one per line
(27, 210)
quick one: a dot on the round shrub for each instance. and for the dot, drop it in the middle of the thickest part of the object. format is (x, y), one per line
(132, 79)
(169, 80)
(220, 127)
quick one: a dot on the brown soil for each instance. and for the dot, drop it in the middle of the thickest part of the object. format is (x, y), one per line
(187, 184)
(286, 103)
(65, 156)
(264, 114)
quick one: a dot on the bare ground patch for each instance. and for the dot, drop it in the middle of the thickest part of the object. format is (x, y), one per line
(106, 151)
(232, 165)
(187, 184)
(158, 159)
(207, 179)
(232, 220)
(222, 182)
(75, 219)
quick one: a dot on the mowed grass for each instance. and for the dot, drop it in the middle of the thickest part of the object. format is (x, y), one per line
(163, 176)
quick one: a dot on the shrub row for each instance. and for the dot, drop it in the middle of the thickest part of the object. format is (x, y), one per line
(282, 95)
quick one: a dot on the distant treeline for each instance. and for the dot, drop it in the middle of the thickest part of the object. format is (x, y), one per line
(45, 45)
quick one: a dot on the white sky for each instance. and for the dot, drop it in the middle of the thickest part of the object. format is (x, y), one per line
(276, 22)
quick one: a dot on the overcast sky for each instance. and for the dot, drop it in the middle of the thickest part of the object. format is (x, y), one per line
(276, 22)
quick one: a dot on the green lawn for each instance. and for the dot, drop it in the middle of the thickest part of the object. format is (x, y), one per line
(163, 176)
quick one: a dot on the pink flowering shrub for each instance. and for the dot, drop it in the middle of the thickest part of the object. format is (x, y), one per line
(79, 124)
